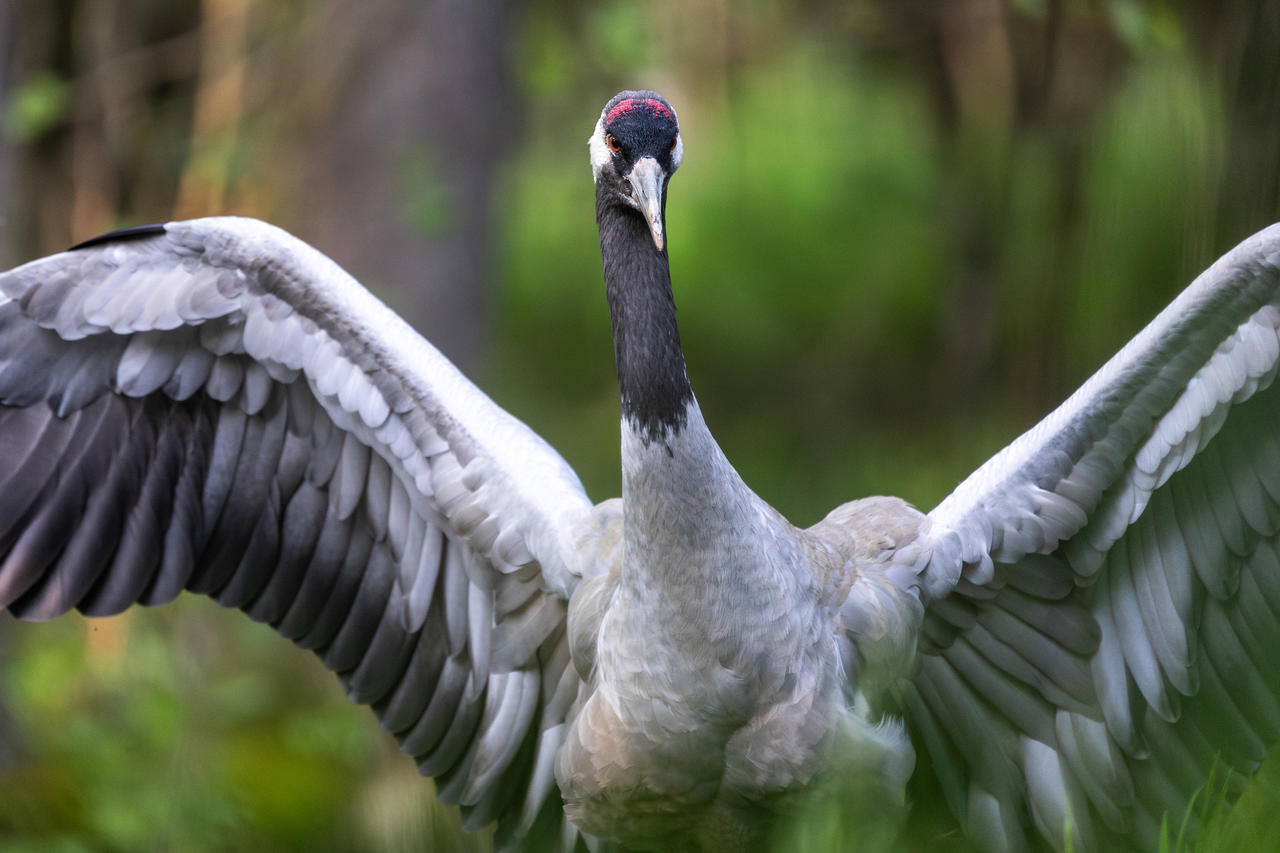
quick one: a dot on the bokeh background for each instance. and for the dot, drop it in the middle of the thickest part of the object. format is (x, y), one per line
(903, 230)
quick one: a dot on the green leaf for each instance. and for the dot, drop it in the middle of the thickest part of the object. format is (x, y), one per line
(37, 106)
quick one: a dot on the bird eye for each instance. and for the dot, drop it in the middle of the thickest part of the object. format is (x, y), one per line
(673, 143)
(614, 144)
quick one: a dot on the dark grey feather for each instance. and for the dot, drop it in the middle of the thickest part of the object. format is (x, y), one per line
(362, 613)
(322, 603)
(404, 706)
(458, 734)
(301, 530)
(427, 732)
(384, 662)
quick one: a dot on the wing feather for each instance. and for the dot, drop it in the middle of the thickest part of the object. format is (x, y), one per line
(213, 405)
(1098, 766)
(1139, 524)
(148, 504)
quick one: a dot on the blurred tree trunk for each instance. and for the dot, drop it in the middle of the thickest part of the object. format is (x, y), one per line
(114, 79)
(1006, 85)
(10, 739)
(399, 169)
(373, 130)
(978, 120)
(7, 45)
(1235, 42)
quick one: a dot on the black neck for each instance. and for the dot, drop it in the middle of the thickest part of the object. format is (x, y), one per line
(652, 382)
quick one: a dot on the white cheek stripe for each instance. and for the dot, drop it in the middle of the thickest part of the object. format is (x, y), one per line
(599, 151)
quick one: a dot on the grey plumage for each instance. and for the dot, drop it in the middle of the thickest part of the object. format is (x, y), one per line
(182, 447)
(1077, 635)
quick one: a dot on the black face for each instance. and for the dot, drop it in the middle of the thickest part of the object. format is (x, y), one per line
(641, 124)
(634, 149)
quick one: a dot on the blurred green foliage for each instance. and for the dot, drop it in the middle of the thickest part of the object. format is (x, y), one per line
(37, 105)
(817, 227)
(156, 748)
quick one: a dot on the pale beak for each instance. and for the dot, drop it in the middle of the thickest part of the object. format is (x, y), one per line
(646, 180)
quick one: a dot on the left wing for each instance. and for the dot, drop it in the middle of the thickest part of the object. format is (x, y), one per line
(215, 406)
(1102, 598)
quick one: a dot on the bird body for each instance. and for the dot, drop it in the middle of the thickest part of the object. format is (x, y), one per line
(1077, 636)
(716, 678)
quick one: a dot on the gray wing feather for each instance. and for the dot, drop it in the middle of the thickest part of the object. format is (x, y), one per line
(219, 408)
(1109, 584)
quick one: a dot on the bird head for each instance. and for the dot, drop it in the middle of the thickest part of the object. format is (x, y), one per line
(635, 149)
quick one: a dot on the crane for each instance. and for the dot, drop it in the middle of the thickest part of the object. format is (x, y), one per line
(1076, 635)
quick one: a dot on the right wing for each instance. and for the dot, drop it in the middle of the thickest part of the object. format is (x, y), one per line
(1102, 598)
(214, 405)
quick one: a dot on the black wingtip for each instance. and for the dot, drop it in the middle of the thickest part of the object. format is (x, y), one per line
(133, 233)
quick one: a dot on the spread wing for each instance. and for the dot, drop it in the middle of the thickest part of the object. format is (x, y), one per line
(215, 406)
(1103, 596)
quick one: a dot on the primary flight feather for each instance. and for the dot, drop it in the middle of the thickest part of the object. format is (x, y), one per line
(1077, 635)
